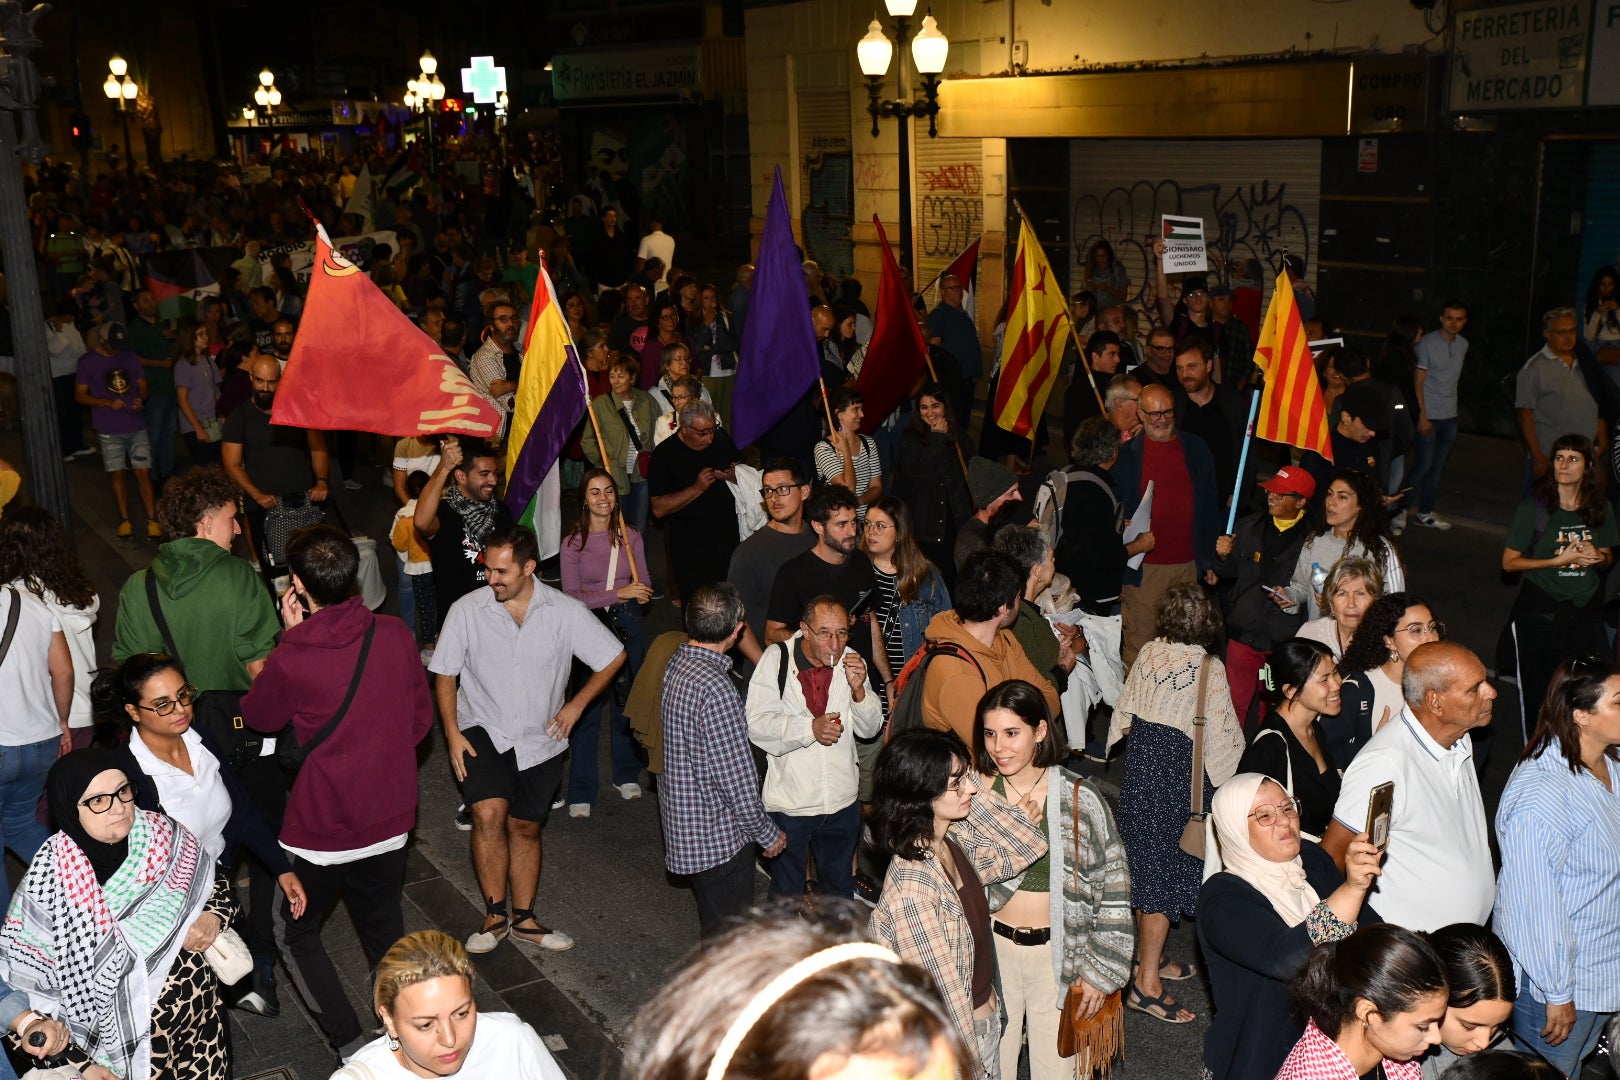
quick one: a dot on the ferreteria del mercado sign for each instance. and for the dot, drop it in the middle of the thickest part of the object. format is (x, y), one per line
(1521, 56)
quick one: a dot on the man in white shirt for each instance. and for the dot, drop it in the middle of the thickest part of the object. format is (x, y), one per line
(656, 244)
(506, 724)
(805, 696)
(1437, 870)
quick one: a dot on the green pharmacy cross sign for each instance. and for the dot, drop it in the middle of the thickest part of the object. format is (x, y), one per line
(484, 81)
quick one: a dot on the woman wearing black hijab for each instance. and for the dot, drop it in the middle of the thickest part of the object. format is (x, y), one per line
(113, 863)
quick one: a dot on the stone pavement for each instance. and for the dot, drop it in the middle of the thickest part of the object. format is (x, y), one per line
(603, 880)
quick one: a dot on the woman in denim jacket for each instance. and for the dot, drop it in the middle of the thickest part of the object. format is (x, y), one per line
(910, 589)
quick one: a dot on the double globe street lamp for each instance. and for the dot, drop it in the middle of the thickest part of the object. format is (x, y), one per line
(121, 89)
(874, 53)
(422, 95)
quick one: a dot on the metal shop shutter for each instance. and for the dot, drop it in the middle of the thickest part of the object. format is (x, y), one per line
(947, 201)
(827, 171)
(1259, 198)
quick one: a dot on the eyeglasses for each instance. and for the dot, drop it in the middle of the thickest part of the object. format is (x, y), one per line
(959, 783)
(1157, 414)
(1437, 628)
(165, 707)
(830, 635)
(701, 432)
(879, 527)
(1161, 348)
(1267, 816)
(100, 804)
(780, 491)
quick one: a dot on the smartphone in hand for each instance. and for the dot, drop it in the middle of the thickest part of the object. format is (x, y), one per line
(1379, 805)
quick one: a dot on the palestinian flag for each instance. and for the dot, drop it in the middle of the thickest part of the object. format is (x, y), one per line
(1183, 228)
(402, 172)
(181, 279)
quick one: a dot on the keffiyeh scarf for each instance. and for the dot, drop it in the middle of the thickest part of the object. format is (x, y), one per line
(98, 956)
(477, 517)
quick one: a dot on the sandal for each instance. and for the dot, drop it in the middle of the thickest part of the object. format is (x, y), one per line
(490, 935)
(1189, 970)
(1160, 1008)
(546, 939)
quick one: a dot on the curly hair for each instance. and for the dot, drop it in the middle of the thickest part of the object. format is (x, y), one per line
(35, 550)
(188, 499)
(1371, 529)
(1187, 616)
(1367, 649)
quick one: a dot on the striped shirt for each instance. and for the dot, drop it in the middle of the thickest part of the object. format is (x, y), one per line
(830, 467)
(1558, 897)
(708, 796)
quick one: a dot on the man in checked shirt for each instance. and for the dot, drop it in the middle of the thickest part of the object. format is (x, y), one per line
(708, 796)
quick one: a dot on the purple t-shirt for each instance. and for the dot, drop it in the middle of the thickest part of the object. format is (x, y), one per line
(201, 383)
(115, 376)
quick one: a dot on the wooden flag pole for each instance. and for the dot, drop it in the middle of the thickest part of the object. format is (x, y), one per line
(933, 377)
(1074, 335)
(601, 448)
(832, 425)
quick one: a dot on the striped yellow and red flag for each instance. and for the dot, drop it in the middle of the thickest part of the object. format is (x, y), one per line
(1037, 330)
(1292, 409)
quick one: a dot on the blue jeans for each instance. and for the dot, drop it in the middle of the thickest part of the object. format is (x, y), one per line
(831, 839)
(1530, 1016)
(22, 779)
(635, 505)
(162, 421)
(1432, 451)
(583, 775)
(407, 597)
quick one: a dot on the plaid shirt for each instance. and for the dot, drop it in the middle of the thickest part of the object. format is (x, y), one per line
(709, 793)
(1317, 1057)
(920, 915)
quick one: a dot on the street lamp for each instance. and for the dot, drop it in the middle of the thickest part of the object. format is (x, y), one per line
(874, 53)
(120, 88)
(266, 93)
(426, 90)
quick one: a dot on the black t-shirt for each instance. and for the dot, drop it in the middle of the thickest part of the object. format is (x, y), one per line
(275, 457)
(458, 560)
(628, 335)
(807, 576)
(1209, 423)
(675, 467)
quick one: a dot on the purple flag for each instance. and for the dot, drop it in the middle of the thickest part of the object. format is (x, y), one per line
(778, 362)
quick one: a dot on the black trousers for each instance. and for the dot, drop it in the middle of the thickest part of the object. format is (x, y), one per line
(69, 415)
(372, 889)
(725, 891)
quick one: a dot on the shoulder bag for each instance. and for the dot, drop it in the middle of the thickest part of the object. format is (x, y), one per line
(643, 455)
(12, 616)
(1097, 1040)
(218, 711)
(288, 750)
(1192, 834)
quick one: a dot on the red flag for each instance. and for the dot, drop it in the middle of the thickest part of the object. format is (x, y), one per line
(358, 364)
(895, 355)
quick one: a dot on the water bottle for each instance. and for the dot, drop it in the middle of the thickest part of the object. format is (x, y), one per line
(1318, 578)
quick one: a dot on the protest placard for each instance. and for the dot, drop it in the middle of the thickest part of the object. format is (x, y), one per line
(1183, 244)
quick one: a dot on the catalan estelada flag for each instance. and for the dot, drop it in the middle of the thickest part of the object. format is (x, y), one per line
(349, 326)
(550, 400)
(1037, 331)
(1292, 410)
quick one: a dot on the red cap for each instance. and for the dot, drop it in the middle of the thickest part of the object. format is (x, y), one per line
(1291, 480)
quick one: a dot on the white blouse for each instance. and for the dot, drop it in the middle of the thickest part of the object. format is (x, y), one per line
(502, 1046)
(199, 801)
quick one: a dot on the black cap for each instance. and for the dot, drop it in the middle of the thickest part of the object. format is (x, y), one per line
(1192, 285)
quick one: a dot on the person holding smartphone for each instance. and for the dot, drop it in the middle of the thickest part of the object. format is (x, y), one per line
(1438, 866)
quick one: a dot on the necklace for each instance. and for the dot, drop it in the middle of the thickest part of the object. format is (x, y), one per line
(1022, 795)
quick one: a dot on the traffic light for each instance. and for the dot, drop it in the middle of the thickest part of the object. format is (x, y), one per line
(79, 127)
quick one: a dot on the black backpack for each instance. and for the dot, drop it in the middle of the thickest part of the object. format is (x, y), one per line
(907, 712)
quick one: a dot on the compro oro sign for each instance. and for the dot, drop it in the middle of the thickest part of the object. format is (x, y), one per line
(662, 72)
(1520, 56)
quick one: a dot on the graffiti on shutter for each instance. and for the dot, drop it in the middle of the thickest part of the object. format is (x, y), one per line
(827, 169)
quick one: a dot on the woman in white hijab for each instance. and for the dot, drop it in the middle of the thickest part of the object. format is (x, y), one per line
(1278, 897)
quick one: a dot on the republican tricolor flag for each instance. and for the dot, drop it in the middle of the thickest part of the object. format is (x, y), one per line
(550, 400)
(1037, 331)
(1292, 409)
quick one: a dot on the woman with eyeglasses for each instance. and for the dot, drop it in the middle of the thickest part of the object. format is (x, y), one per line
(1561, 541)
(179, 770)
(1558, 895)
(1479, 972)
(1303, 690)
(1277, 897)
(948, 839)
(108, 929)
(910, 589)
(1371, 696)
(683, 390)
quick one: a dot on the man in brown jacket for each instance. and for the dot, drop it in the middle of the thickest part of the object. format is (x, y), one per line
(986, 605)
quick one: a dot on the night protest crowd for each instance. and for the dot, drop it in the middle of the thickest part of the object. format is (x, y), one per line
(906, 658)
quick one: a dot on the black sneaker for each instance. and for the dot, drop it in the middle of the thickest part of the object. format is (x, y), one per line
(866, 889)
(463, 819)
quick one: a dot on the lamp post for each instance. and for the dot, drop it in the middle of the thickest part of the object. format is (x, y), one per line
(428, 91)
(874, 53)
(120, 89)
(266, 95)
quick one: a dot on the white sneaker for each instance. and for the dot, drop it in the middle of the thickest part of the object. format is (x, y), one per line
(1433, 521)
(579, 809)
(1397, 524)
(629, 791)
(559, 802)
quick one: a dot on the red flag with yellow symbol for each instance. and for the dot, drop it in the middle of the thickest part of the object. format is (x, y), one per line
(358, 364)
(1037, 331)
(1292, 409)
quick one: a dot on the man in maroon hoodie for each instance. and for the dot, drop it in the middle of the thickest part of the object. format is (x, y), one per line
(353, 804)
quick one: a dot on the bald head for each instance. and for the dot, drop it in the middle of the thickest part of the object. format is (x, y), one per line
(1446, 687)
(1158, 408)
(821, 317)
